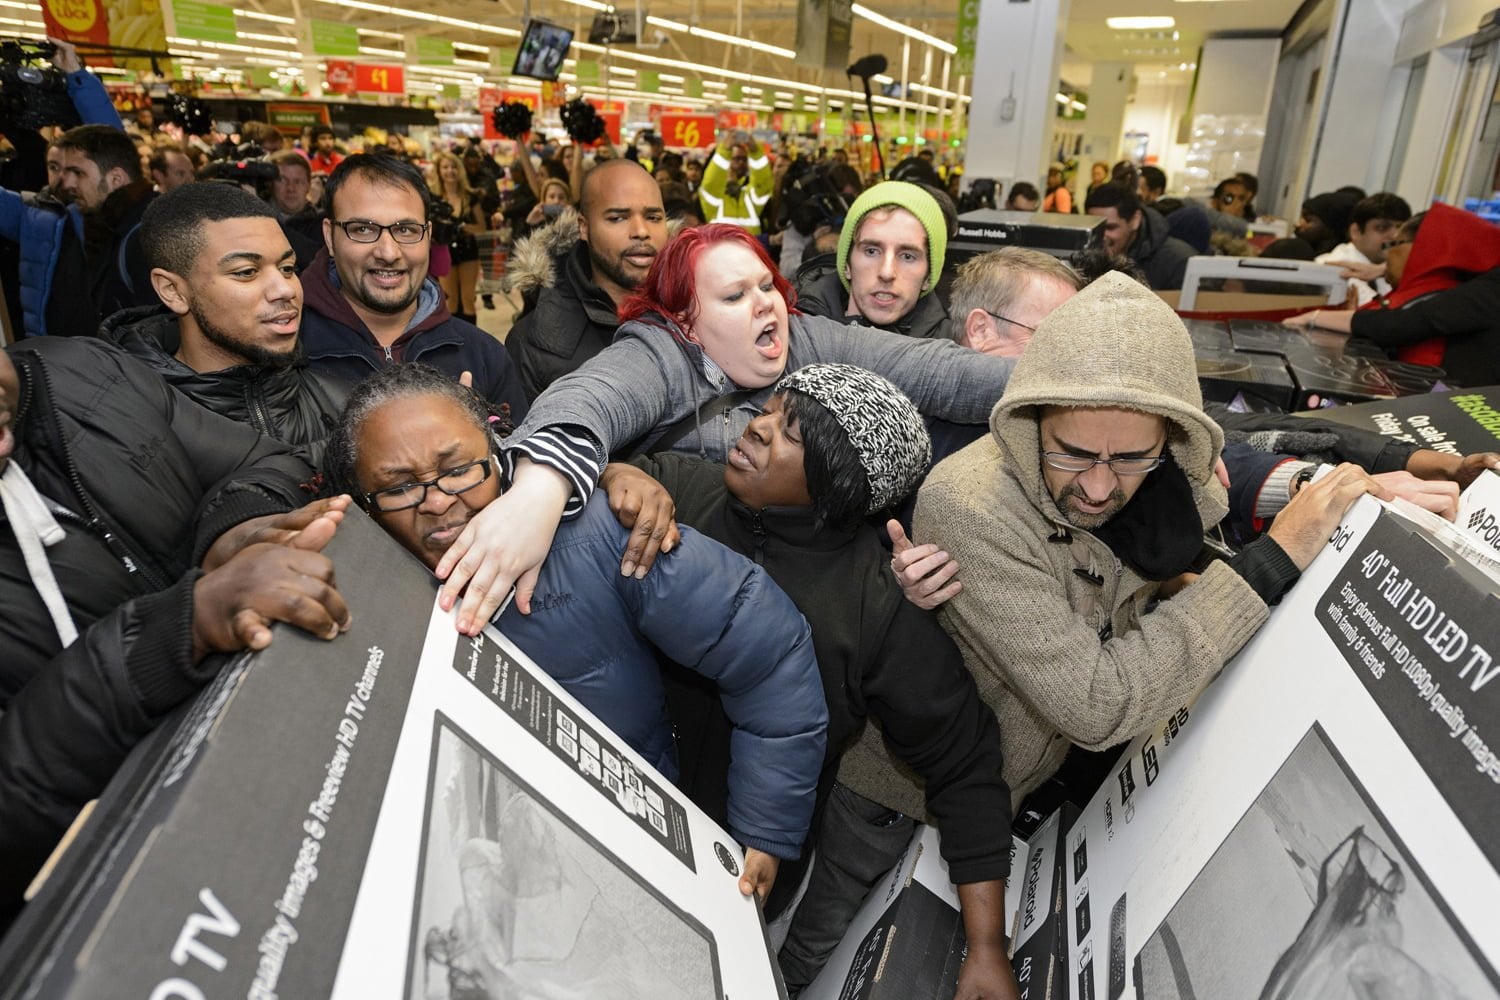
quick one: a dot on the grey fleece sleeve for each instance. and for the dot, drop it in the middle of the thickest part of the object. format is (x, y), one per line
(942, 378)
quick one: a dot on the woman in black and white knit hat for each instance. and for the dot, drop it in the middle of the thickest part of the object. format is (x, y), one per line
(834, 444)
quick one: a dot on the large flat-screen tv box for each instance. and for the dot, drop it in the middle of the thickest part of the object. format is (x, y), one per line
(401, 812)
(989, 229)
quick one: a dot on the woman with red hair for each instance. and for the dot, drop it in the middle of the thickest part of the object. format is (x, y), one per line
(702, 342)
(1444, 271)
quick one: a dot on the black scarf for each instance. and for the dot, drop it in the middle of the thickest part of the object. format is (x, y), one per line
(1158, 532)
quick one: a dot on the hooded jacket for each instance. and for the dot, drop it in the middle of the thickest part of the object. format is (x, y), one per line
(129, 463)
(1160, 254)
(821, 293)
(1058, 631)
(338, 343)
(1444, 310)
(572, 320)
(292, 404)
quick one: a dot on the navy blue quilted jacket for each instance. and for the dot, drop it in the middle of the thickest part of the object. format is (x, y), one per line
(712, 611)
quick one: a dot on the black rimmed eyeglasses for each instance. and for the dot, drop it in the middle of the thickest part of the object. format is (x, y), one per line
(1064, 462)
(361, 231)
(1007, 319)
(413, 494)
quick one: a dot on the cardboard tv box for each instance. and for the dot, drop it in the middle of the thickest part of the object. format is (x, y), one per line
(1040, 935)
(907, 939)
(1462, 422)
(1321, 821)
(401, 812)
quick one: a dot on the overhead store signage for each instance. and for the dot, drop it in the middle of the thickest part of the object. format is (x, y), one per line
(334, 38)
(613, 120)
(339, 72)
(433, 51)
(968, 35)
(291, 119)
(530, 98)
(823, 33)
(650, 81)
(692, 131)
(502, 61)
(732, 120)
(340, 76)
(488, 99)
(588, 73)
(371, 78)
(204, 22)
(76, 21)
(694, 87)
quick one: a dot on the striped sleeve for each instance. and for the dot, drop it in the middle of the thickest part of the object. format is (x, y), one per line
(572, 451)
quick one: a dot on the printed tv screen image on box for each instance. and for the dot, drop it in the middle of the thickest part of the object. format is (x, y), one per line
(1328, 903)
(515, 899)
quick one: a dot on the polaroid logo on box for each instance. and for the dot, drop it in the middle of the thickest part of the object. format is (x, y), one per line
(726, 858)
(1486, 527)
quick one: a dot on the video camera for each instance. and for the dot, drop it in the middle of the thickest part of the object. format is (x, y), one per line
(444, 225)
(246, 165)
(33, 92)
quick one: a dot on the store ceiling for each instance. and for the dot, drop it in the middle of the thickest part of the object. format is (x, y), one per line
(771, 22)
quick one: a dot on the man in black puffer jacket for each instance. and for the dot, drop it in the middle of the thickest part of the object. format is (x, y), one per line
(226, 334)
(115, 488)
(574, 273)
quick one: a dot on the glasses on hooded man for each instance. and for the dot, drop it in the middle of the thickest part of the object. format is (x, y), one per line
(1064, 462)
(414, 494)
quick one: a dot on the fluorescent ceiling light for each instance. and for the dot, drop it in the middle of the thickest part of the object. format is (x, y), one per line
(860, 10)
(1140, 23)
(228, 47)
(273, 18)
(255, 36)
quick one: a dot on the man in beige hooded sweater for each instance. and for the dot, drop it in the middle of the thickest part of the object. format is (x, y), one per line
(1077, 521)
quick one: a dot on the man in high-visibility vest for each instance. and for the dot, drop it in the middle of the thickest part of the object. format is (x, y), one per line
(737, 183)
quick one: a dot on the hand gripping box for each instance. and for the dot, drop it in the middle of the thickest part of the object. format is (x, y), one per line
(1324, 819)
(907, 940)
(402, 812)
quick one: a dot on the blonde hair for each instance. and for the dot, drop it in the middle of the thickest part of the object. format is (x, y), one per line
(552, 182)
(435, 182)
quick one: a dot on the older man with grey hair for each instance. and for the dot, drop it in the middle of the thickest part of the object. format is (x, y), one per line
(999, 297)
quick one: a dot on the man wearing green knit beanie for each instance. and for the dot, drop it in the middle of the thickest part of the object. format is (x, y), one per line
(889, 259)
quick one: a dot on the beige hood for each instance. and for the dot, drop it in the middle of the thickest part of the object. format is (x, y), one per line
(1114, 344)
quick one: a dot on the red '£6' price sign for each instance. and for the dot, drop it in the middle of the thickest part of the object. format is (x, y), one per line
(691, 131)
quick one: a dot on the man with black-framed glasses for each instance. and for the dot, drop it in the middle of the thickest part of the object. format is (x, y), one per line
(1081, 514)
(370, 301)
